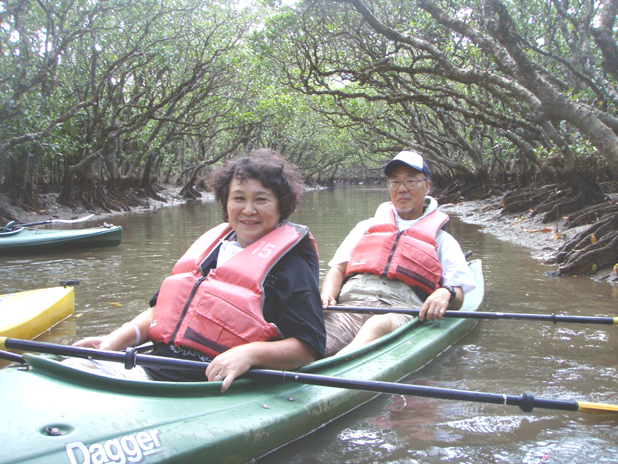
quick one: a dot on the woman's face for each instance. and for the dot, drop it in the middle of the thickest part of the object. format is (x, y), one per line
(253, 210)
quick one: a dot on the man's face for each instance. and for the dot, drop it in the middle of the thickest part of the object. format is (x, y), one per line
(409, 201)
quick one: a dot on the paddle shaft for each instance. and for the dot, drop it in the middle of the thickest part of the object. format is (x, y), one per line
(49, 221)
(7, 356)
(131, 358)
(63, 221)
(483, 315)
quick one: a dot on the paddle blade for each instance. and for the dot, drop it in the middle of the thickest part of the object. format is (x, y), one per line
(72, 221)
(602, 408)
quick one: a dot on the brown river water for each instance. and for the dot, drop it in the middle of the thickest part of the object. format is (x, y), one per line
(564, 361)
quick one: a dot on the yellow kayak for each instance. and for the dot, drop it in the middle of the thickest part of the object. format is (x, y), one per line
(27, 315)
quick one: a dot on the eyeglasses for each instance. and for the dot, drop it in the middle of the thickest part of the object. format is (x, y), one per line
(410, 184)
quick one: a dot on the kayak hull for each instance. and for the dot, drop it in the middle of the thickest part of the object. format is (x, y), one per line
(27, 315)
(30, 241)
(101, 419)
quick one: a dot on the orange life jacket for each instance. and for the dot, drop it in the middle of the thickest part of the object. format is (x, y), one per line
(409, 256)
(221, 309)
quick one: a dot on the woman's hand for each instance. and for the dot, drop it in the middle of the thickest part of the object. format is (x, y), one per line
(229, 365)
(99, 343)
(122, 337)
(289, 353)
(91, 342)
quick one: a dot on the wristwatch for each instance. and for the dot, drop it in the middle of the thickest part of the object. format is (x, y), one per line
(451, 291)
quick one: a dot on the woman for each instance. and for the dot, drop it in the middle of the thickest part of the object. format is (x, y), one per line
(257, 269)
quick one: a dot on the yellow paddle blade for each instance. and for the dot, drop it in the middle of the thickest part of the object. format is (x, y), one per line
(584, 406)
(616, 318)
(2, 340)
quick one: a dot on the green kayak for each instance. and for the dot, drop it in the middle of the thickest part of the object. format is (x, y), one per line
(22, 240)
(56, 414)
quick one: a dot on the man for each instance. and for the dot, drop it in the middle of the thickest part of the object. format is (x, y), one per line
(400, 257)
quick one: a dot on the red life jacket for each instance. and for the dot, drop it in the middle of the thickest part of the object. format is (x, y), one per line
(221, 309)
(409, 256)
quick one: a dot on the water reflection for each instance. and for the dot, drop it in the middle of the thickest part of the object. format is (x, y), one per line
(565, 361)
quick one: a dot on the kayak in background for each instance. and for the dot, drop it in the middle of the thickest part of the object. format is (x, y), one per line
(21, 240)
(27, 315)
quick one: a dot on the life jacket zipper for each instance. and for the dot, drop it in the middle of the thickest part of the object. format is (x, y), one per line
(390, 256)
(187, 304)
(196, 337)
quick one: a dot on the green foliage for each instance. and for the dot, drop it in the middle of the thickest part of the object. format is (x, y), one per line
(191, 83)
(439, 76)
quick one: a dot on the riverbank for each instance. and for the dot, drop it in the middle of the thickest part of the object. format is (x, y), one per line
(54, 210)
(543, 240)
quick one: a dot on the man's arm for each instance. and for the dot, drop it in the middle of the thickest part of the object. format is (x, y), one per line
(332, 284)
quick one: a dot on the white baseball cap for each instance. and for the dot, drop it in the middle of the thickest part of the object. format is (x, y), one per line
(408, 158)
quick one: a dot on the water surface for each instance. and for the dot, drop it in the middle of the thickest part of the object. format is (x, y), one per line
(564, 361)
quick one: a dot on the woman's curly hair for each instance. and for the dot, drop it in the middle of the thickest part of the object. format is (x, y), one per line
(265, 165)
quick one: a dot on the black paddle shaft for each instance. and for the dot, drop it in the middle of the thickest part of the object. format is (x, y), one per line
(131, 358)
(12, 357)
(481, 315)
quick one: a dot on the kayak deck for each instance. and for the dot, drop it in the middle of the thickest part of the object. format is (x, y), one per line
(94, 418)
(24, 241)
(27, 315)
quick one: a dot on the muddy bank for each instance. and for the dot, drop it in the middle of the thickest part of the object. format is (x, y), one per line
(54, 210)
(544, 240)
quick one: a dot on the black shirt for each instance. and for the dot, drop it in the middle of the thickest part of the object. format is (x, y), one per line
(291, 301)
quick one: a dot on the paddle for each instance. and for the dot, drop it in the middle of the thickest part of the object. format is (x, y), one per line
(131, 358)
(12, 224)
(12, 357)
(483, 315)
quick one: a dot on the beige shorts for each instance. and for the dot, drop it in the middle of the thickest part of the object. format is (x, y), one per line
(366, 290)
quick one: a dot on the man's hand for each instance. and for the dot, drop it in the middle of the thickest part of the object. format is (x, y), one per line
(332, 284)
(438, 302)
(328, 300)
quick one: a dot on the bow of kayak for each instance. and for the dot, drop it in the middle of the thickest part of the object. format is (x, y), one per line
(29, 241)
(27, 315)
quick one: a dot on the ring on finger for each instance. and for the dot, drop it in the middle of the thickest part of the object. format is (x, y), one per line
(218, 377)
